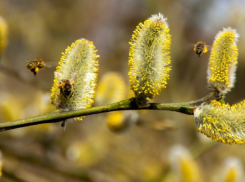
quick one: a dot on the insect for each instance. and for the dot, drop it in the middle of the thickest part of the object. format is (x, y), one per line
(36, 64)
(66, 85)
(200, 48)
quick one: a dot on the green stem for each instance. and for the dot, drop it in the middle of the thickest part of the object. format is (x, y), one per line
(129, 104)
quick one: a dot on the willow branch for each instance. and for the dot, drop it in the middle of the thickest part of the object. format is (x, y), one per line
(129, 104)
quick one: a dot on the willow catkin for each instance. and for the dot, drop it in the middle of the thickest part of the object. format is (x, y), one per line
(231, 171)
(183, 165)
(78, 65)
(3, 34)
(149, 58)
(222, 122)
(223, 61)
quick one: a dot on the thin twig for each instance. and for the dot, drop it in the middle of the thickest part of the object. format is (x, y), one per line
(129, 104)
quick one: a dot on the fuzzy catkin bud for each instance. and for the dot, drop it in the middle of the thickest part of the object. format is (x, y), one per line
(121, 121)
(149, 58)
(223, 61)
(3, 34)
(222, 122)
(79, 65)
(184, 166)
(111, 88)
(231, 171)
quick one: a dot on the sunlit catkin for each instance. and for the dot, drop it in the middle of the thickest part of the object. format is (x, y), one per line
(75, 77)
(3, 34)
(111, 88)
(222, 122)
(223, 61)
(121, 121)
(149, 58)
(231, 171)
(184, 166)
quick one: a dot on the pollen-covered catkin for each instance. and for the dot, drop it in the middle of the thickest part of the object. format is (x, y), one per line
(149, 58)
(222, 122)
(3, 34)
(223, 61)
(75, 77)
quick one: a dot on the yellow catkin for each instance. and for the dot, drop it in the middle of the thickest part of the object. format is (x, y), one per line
(1, 163)
(79, 60)
(231, 175)
(86, 153)
(3, 34)
(222, 122)
(223, 61)
(231, 171)
(115, 121)
(121, 121)
(184, 166)
(149, 58)
(111, 88)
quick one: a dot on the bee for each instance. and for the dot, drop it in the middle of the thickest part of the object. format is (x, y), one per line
(66, 85)
(200, 48)
(36, 64)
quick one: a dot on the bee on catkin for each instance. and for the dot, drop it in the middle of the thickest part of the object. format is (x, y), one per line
(36, 64)
(66, 85)
(75, 77)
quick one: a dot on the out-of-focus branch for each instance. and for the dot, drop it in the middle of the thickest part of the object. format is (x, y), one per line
(33, 159)
(17, 76)
(129, 104)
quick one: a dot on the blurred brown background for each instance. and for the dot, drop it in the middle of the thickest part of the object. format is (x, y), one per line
(43, 29)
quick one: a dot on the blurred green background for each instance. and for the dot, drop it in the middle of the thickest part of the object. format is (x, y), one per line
(88, 150)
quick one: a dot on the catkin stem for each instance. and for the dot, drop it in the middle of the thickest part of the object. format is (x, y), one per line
(129, 104)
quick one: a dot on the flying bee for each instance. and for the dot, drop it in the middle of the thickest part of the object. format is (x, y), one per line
(66, 85)
(201, 48)
(36, 64)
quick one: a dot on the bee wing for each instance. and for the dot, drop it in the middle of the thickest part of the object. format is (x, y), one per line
(209, 47)
(59, 76)
(73, 76)
(49, 64)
